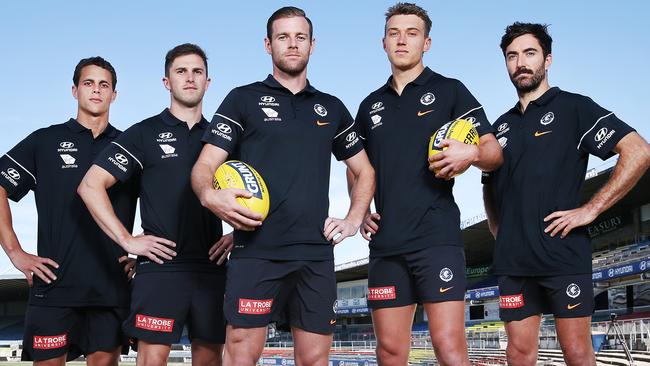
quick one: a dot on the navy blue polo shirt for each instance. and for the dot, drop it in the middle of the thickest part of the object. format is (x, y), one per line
(417, 209)
(161, 152)
(289, 140)
(52, 161)
(546, 150)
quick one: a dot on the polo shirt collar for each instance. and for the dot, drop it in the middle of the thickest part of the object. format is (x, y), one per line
(77, 127)
(171, 120)
(544, 99)
(274, 84)
(422, 79)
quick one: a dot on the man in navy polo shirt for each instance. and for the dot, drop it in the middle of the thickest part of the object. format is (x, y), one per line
(543, 253)
(79, 294)
(176, 284)
(416, 252)
(287, 130)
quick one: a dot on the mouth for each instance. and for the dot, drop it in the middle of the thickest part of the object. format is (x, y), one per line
(190, 88)
(96, 100)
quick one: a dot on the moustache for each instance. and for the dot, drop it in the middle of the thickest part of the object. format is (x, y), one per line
(523, 71)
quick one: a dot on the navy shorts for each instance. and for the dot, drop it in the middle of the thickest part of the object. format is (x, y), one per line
(162, 303)
(301, 293)
(51, 332)
(569, 296)
(434, 274)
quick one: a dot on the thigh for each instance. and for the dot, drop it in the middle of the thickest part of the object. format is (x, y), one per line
(254, 291)
(389, 283)
(311, 348)
(523, 334)
(160, 302)
(51, 332)
(570, 296)
(446, 321)
(392, 326)
(438, 273)
(312, 304)
(520, 298)
(207, 322)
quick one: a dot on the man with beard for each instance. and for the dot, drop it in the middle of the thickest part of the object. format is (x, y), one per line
(542, 255)
(79, 294)
(287, 130)
(416, 252)
(176, 283)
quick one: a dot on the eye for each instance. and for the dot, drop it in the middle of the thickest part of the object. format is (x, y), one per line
(301, 38)
(392, 34)
(412, 34)
(282, 37)
(87, 83)
(200, 72)
(104, 85)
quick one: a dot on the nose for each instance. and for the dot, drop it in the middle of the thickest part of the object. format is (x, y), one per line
(401, 39)
(293, 43)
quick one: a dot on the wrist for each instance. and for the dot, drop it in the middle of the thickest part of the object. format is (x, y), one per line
(14, 252)
(355, 220)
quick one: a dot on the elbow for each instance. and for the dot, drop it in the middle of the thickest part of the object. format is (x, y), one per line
(82, 189)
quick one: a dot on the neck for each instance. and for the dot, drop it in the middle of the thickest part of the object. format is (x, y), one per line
(526, 98)
(402, 77)
(95, 123)
(189, 115)
(295, 83)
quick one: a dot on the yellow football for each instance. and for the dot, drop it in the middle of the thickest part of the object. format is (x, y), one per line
(460, 130)
(237, 174)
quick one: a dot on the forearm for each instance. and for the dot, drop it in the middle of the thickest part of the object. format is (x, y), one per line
(490, 156)
(96, 199)
(631, 166)
(8, 239)
(362, 190)
(490, 209)
(202, 176)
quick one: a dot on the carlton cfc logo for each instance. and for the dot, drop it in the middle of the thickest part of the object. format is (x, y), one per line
(573, 290)
(320, 110)
(427, 98)
(446, 274)
(547, 118)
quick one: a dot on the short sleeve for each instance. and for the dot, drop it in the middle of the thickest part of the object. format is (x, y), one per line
(18, 168)
(227, 125)
(467, 107)
(124, 156)
(599, 129)
(346, 142)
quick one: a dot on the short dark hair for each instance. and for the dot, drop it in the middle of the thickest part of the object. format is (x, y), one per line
(182, 50)
(96, 61)
(409, 9)
(517, 29)
(287, 12)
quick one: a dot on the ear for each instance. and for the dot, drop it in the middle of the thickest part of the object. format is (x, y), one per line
(548, 61)
(74, 92)
(427, 44)
(313, 44)
(114, 96)
(383, 43)
(165, 81)
(267, 45)
(207, 83)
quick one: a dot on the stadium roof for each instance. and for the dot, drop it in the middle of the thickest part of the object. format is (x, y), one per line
(479, 243)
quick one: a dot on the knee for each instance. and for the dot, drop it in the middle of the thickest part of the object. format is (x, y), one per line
(521, 355)
(237, 352)
(151, 359)
(312, 358)
(578, 354)
(392, 353)
(451, 350)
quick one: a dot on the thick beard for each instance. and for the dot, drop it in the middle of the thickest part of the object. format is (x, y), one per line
(292, 70)
(528, 85)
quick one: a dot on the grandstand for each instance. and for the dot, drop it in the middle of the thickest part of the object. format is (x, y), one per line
(621, 269)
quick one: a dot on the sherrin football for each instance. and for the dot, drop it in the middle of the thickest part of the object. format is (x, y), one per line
(460, 130)
(237, 174)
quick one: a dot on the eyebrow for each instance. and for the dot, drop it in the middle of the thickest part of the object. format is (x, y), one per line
(408, 29)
